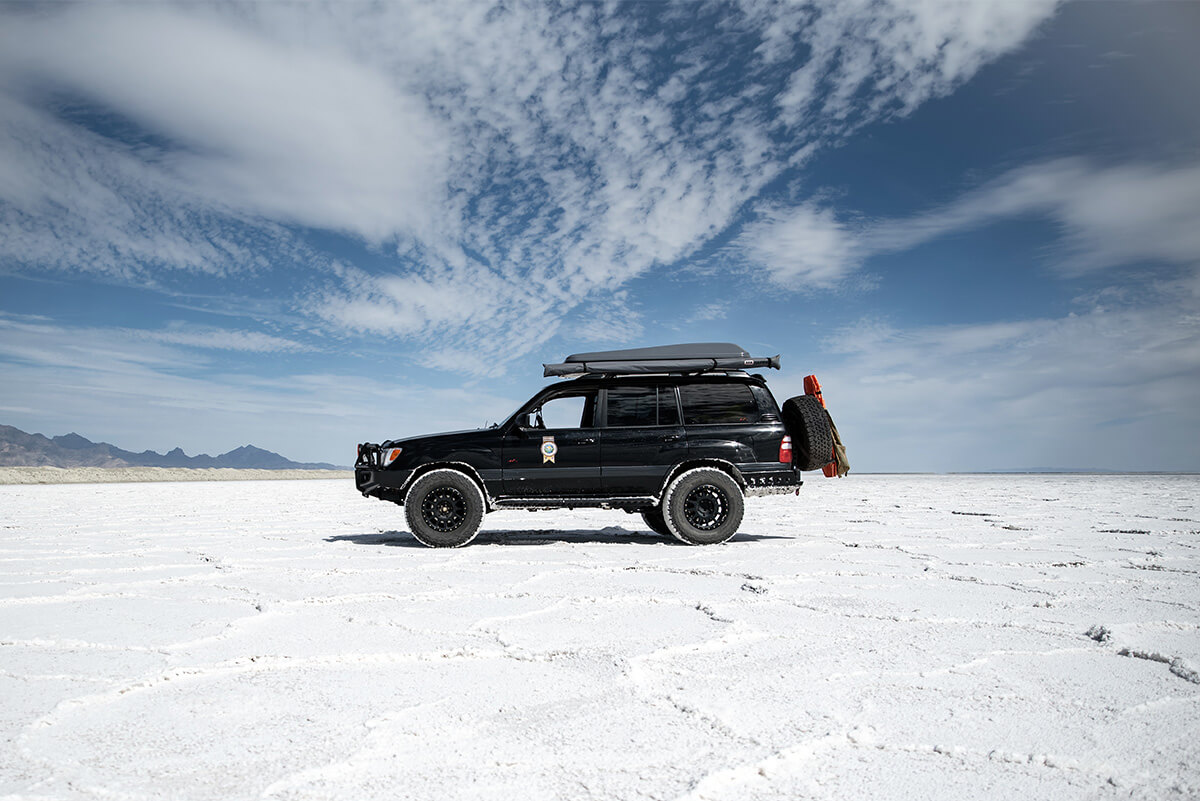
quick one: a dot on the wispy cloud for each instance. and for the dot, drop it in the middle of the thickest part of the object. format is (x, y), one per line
(115, 350)
(1107, 216)
(868, 59)
(294, 134)
(517, 162)
(61, 378)
(212, 338)
(1112, 385)
(804, 247)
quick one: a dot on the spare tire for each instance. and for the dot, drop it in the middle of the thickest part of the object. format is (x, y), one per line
(808, 426)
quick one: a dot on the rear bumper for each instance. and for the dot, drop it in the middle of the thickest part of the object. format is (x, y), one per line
(770, 482)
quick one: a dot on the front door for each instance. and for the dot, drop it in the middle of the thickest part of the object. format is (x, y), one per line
(554, 449)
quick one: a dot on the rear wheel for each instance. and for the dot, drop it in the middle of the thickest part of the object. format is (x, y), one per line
(444, 509)
(654, 519)
(703, 506)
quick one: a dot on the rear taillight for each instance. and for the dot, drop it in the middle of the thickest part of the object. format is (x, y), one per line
(785, 450)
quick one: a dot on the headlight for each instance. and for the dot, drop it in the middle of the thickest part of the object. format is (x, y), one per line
(390, 455)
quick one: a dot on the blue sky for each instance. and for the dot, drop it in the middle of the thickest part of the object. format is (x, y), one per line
(305, 226)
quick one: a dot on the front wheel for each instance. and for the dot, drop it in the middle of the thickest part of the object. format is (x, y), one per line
(444, 509)
(703, 506)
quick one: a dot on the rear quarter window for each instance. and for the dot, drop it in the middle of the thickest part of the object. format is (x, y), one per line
(705, 404)
(766, 401)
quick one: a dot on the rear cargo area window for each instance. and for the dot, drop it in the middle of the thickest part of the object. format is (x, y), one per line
(717, 403)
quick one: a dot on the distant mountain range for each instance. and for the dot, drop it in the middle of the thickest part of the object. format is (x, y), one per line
(18, 449)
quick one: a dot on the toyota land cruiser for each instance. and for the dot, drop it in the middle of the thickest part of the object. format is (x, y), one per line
(680, 434)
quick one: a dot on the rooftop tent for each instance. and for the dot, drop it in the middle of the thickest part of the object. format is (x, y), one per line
(693, 357)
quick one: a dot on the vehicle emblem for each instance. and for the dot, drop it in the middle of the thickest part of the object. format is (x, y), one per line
(549, 449)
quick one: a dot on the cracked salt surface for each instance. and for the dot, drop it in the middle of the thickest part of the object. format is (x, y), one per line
(878, 637)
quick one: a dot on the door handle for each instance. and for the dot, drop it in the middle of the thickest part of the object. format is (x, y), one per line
(587, 441)
(672, 438)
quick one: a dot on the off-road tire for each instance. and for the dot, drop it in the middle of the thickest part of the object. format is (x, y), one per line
(808, 425)
(654, 519)
(444, 509)
(703, 506)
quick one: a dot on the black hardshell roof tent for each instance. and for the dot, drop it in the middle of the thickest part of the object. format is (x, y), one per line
(690, 357)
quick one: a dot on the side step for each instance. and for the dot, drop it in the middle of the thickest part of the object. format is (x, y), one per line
(626, 502)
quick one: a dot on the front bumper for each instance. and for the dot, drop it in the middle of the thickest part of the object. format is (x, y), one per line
(372, 480)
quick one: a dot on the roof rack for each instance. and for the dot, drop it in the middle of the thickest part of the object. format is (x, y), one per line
(694, 357)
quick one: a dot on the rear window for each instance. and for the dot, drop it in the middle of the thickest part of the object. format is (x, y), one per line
(717, 403)
(642, 406)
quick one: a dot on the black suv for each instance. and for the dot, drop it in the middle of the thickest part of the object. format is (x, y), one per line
(678, 433)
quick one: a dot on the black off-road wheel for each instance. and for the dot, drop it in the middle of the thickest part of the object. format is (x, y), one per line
(808, 425)
(703, 506)
(654, 519)
(444, 509)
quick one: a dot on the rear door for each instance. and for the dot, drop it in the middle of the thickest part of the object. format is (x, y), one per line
(642, 438)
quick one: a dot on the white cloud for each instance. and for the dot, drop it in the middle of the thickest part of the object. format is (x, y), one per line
(72, 201)
(211, 338)
(62, 378)
(869, 58)
(295, 134)
(40, 342)
(525, 159)
(1107, 216)
(1111, 386)
(710, 311)
(614, 321)
(805, 247)
(1107, 387)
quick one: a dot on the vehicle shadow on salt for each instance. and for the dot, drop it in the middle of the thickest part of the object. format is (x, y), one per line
(613, 535)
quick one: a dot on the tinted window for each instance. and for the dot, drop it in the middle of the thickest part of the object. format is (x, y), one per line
(642, 406)
(766, 403)
(717, 403)
(632, 406)
(668, 408)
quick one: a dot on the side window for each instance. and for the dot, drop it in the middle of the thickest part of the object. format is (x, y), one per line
(567, 411)
(668, 409)
(717, 403)
(642, 406)
(632, 406)
(766, 402)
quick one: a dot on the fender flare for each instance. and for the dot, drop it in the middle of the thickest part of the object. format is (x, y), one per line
(461, 467)
(720, 464)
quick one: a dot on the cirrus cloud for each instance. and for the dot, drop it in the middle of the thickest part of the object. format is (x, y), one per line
(498, 158)
(1106, 215)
